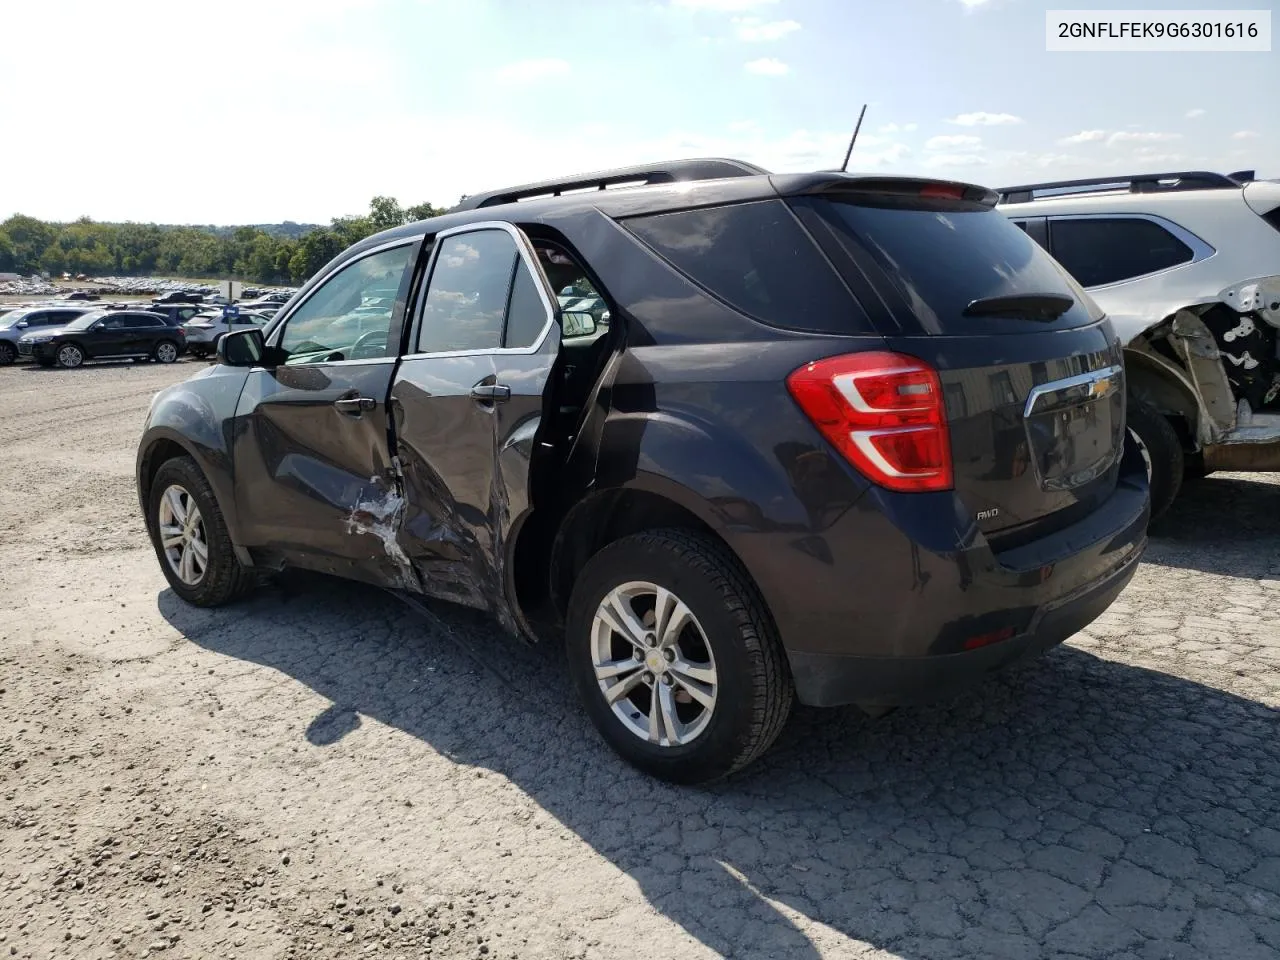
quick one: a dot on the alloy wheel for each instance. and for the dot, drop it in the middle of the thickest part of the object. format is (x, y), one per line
(653, 664)
(182, 535)
(70, 356)
(166, 353)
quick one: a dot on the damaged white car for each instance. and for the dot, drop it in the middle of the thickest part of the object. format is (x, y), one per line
(1187, 266)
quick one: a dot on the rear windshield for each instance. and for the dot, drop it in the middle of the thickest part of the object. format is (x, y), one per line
(758, 259)
(943, 258)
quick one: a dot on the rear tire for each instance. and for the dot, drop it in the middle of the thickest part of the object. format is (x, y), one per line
(1163, 451)
(728, 644)
(166, 351)
(221, 577)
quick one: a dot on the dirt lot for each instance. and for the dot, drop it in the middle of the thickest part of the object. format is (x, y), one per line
(323, 772)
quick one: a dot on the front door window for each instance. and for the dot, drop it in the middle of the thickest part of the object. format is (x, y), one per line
(348, 317)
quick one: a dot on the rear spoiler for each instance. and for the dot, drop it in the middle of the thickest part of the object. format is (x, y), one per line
(831, 182)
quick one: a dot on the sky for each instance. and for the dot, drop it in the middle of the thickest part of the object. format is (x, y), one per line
(258, 111)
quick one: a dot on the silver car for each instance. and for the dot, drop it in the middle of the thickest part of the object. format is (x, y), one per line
(204, 330)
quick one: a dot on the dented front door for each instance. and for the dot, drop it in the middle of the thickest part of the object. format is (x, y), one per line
(314, 477)
(466, 405)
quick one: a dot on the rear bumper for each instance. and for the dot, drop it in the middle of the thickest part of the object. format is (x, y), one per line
(828, 680)
(894, 617)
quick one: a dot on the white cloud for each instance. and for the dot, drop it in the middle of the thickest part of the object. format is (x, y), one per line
(1245, 135)
(528, 71)
(1141, 136)
(1195, 113)
(960, 140)
(755, 30)
(955, 160)
(983, 119)
(897, 128)
(1085, 136)
(722, 6)
(767, 67)
(973, 4)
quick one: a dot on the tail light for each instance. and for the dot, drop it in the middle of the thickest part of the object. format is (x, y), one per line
(884, 412)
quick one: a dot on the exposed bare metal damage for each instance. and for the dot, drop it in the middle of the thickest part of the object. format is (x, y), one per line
(382, 517)
(1216, 364)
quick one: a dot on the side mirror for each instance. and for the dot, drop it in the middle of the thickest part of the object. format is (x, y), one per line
(575, 324)
(22, 324)
(242, 348)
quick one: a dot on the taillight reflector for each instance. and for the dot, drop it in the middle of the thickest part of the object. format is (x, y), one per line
(884, 412)
(943, 191)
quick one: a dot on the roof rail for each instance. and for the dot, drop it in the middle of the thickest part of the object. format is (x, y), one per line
(1140, 183)
(668, 172)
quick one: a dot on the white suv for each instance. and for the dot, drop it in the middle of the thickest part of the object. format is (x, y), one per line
(1187, 265)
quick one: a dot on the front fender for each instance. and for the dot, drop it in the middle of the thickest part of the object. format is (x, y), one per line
(198, 417)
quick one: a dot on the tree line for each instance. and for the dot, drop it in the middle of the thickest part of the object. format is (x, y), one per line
(255, 254)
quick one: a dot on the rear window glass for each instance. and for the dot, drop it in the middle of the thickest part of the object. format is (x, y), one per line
(940, 260)
(758, 259)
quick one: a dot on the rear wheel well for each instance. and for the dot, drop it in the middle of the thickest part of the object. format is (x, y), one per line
(1161, 391)
(549, 555)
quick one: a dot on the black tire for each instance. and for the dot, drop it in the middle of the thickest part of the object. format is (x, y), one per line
(1194, 468)
(71, 355)
(1164, 450)
(224, 578)
(166, 351)
(754, 691)
(7, 353)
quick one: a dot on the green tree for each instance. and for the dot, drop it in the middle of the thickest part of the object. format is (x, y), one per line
(30, 238)
(422, 211)
(8, 259)
(384, 213)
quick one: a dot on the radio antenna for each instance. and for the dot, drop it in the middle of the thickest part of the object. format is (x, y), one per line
(844, 167)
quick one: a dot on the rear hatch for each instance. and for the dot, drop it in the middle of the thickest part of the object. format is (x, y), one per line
(1029, 370)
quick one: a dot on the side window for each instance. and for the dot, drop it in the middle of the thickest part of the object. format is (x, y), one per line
(467, 295)
(754, 256)
(113, 323)
(60, 318)
(336, 323)
(1101, 250)
(526, 313)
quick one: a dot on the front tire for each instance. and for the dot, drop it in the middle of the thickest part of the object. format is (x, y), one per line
(70, 356)
(190, 537)
(676, 657)
(1162, 449)
(7, 354)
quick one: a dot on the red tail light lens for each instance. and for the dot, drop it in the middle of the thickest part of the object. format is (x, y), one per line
(884, 412)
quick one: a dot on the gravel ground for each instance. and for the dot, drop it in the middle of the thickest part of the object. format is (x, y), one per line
(323, 772)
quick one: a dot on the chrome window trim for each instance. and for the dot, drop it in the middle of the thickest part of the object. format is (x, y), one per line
(1079, 380)
(525, 251)
(1200, 250)
(362, 362)
(281, 319)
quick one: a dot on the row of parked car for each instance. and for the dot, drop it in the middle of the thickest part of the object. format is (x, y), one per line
(72, 330)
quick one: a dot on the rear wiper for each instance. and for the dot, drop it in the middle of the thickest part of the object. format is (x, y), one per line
(1021, 306)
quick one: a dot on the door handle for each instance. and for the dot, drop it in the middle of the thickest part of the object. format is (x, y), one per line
(491, 392)
(354, 406)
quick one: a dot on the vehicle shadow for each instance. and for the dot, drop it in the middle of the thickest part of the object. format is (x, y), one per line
(1227, 525)
(1075, 805)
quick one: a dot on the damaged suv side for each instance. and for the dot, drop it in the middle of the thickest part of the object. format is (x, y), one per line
(736, 439)
(1187, 266)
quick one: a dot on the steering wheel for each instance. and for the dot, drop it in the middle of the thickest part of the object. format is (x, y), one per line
(364, 341)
